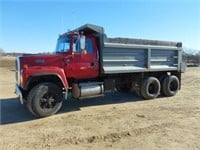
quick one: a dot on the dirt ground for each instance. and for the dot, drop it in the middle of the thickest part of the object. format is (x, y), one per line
(116, 121)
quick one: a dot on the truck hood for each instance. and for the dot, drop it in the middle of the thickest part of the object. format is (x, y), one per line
(41, 60)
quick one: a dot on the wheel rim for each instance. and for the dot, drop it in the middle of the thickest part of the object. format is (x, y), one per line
(153, 89)
(48, 101)
(173, 86)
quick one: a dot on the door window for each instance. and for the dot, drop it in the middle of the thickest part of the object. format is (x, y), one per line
(89, 46)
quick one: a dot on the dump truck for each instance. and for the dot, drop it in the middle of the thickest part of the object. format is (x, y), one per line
(87, 63)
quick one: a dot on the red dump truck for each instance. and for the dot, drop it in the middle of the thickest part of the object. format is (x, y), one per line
(87, 63)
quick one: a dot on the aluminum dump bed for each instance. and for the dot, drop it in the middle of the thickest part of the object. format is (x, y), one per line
(127, 55)
(130, 58)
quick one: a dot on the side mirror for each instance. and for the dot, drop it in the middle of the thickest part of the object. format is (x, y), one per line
(82, 42)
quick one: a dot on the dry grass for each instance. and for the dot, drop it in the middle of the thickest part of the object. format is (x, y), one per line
(7, 61)
(116, 121)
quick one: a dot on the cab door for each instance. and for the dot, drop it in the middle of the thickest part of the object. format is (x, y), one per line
(84, 63)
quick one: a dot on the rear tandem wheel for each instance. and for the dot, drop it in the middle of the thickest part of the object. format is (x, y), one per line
(150, 88)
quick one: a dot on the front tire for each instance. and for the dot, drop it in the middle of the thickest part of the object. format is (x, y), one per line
(44, 99)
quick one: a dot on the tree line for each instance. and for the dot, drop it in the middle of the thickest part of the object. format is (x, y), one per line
(190, 57)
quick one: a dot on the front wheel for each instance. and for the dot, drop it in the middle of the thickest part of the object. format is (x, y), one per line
(44, 99)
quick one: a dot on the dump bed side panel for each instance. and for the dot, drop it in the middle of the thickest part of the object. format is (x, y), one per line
(161, 59)
(126, 58)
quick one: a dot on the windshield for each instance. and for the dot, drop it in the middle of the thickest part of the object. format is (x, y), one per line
(63, 45)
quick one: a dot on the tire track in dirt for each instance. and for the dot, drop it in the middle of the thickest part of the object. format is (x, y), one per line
(182, 110)
(111, 137)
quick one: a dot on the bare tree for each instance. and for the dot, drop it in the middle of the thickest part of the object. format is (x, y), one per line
(191, 57)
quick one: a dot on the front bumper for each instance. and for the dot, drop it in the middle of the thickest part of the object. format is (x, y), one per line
(19, 93)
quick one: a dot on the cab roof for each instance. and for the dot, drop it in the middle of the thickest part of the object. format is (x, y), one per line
(89, 29)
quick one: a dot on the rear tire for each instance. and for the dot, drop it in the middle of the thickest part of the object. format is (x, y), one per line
(44, 99)
(170, 85)
(150, 88)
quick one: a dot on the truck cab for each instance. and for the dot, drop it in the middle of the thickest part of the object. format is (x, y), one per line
(80, 55)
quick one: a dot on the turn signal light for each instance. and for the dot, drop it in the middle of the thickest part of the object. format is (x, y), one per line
(25, 66)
